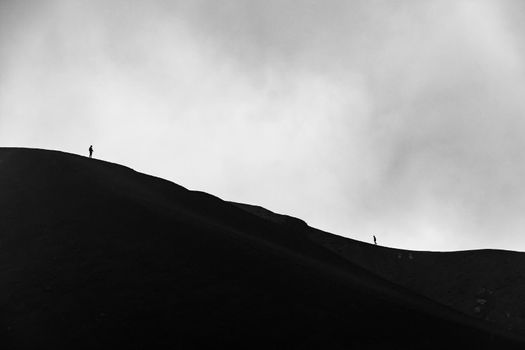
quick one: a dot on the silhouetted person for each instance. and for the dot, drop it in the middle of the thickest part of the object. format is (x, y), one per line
(91, 151)
(375, 240)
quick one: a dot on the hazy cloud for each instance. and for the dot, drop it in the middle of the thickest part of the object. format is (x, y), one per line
(403, 119)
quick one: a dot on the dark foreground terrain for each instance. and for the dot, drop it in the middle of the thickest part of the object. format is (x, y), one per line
(95, 255)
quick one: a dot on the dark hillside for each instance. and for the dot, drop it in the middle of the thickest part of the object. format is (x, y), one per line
(96, 255)
(485, 284)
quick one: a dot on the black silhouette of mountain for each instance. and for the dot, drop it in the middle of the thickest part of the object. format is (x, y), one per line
(96, 255)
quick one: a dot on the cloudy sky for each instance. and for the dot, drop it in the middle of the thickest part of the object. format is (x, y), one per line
(403, 119)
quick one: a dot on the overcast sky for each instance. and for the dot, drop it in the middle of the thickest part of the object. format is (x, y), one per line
(403, 119)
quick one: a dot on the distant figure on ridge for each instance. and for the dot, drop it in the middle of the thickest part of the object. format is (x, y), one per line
(91, 151)
(375, 240)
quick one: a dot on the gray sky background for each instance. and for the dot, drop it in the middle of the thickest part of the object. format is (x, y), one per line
(403, 119)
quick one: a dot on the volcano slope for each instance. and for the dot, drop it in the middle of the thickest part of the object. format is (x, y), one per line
(96, 255)
(484, 284)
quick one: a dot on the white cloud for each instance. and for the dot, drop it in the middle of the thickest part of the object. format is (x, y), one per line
(402, 119)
